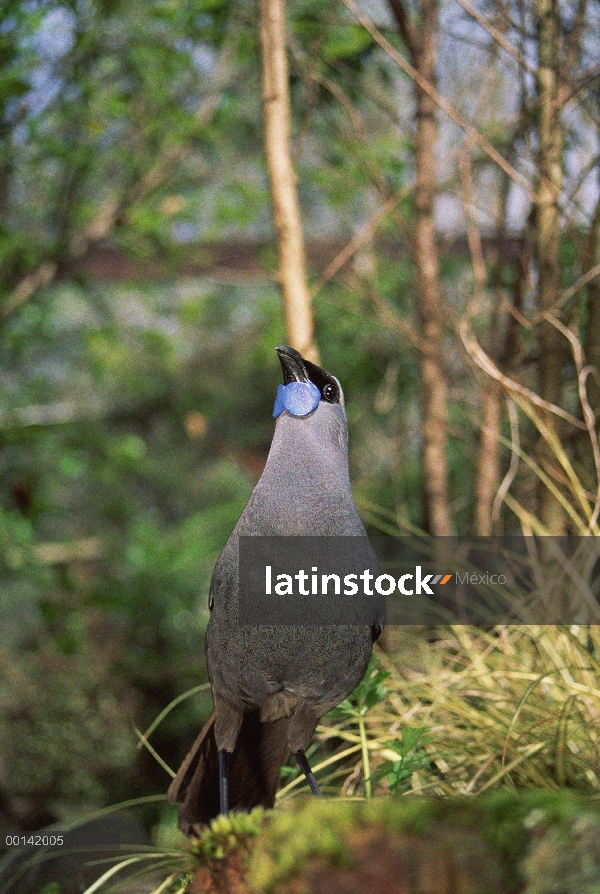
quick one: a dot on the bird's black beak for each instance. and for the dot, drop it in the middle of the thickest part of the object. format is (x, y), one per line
(293, 365)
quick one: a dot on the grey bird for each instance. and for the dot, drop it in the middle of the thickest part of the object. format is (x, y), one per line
(271, 685)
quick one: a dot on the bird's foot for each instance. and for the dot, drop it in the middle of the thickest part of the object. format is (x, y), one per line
(310, 776)
(223, 783)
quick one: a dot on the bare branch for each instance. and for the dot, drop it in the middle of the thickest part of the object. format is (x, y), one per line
(583, 280)
(44, 274)
(114, 206)
(49, 414)
(476, 352)
(573, 39)
(473, 234)
(569, 91)
(173, 153)
(438, 99)
(497, 35)
(392, 319)
(88, 549)
(364, 235)
(579, 284)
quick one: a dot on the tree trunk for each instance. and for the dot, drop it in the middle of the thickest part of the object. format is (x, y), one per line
(549, 184)
(286, 210)
(433, 380)
(421, 45)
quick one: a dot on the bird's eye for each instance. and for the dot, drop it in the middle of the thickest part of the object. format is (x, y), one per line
(330, 392)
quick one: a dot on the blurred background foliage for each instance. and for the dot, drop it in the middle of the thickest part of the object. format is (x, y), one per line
(138, 317)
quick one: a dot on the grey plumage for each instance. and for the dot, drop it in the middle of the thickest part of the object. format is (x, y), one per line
(271, 685)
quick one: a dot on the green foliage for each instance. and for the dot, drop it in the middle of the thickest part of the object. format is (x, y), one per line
(370, 691)
(345, 42)
(138, 469)
(412, 757)
(126, 101)
(227, 835)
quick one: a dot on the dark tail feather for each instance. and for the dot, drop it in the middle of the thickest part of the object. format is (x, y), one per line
(254, 769)
(196, 785)
(255, 765)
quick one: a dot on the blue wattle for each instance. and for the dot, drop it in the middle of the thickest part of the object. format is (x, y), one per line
(279, 404)
(298, 398)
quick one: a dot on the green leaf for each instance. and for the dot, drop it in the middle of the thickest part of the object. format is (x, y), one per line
(346, 41)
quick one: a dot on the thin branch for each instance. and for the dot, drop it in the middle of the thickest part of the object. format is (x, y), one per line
(497, 35)
(583, 280)
(343, 99)
(393, 320)
(567, 92)
(357, 126)
(389, 316)
(48, 414)
(513, 310)
(44, 274)
(514, 461)
(439, 100)
(473, 234)
(573, 40)
(485, 363)
(89, 549)
(588, 414)
(362, 236)
(171, 154)
(474, 239)
(360, 133)
(315, 53)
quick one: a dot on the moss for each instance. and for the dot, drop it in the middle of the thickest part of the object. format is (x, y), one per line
(227, 835)
(411, 814)
(313, 829)
(322, 830)
(566, 858)
(531, 838)
(506, 819)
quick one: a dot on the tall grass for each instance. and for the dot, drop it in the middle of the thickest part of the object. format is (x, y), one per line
(513, 707)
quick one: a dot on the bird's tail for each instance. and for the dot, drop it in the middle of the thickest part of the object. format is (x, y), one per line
(253, 771)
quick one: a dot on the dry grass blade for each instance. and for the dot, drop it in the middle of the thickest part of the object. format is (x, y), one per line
(510, 707)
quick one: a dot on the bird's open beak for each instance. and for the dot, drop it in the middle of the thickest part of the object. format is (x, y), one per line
(292, 364)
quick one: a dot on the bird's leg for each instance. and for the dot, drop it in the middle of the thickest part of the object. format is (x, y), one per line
(310, 776)
(223, 784)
